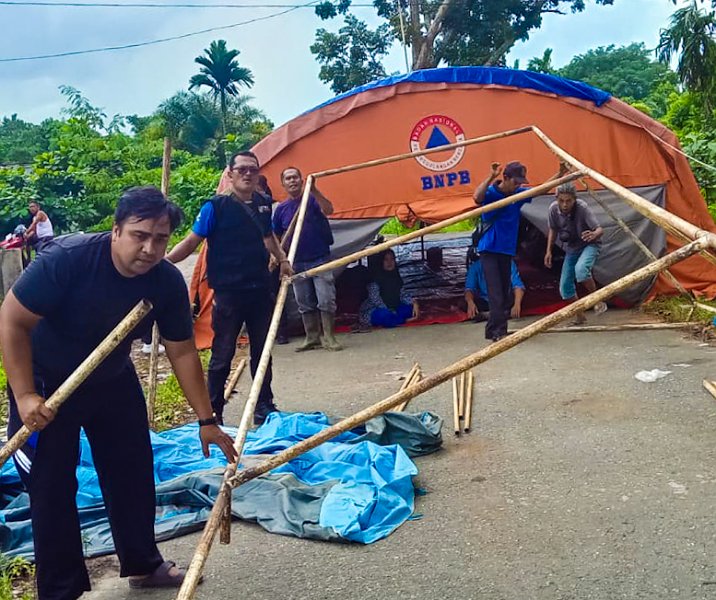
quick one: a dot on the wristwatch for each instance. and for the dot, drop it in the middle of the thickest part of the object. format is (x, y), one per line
(209, 421)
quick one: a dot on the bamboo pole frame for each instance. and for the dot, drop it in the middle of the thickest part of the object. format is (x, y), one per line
(345, 260)
(468, 362)
(634, 237)
(221, 511)
(154, 355)
(698, 241)
(82, 372)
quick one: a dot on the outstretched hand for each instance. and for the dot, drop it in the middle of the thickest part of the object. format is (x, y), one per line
(213, 434)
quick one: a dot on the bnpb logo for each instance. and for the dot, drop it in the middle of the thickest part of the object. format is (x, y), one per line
(432, 132)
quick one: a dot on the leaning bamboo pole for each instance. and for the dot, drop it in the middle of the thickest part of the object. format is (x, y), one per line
(634, 237)
(154, 355)
(221, 510)
(468, 362)
(398, 157)
(468, 401)
(234, 379)
(456, 405)
(623, 327)
(669, 221)
(345, 260)
(82, 372)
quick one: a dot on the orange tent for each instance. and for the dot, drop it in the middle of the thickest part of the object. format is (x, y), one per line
(439, 106)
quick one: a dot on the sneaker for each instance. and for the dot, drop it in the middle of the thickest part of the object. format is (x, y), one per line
(600, 308)
(147, 349)
(281, 339)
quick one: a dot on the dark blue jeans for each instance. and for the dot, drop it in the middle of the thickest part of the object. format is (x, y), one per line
(231, 310)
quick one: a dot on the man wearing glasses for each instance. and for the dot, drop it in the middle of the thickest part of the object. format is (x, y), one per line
(237, 227)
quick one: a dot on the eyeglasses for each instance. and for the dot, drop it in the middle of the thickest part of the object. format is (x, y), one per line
(246, 170)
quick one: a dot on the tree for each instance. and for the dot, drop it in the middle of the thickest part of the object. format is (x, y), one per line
(221, 73)
(352, 56)
(542, 64)
(457, 32)
(20, 141)
(628, 72)
(690, 37)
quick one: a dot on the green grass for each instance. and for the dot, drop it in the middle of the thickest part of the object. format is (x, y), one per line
(16, 578)
(395, 227)
(171, 408)
(676, 309)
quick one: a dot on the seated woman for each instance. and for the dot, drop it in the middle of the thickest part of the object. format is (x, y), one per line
(387, 304)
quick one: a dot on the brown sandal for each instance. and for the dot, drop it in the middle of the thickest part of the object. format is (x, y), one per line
(161, 578)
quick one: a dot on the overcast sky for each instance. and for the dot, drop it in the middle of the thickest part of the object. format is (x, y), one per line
(277, 51)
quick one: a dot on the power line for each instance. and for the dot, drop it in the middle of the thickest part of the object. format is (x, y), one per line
(153, 42)
(157, 5)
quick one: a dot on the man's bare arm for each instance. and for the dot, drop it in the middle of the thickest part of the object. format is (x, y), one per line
(479, 195)
(16, 325)
(323, 202)
(185, 247)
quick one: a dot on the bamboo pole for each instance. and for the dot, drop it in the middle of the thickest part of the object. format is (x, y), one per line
(84, 370)
(417, 376)
(469, 399)
(623, 327)
(456, 405)
(154, 355)
(634, 237)
(705, 307)
(535, 191)
(658, 215)
(222, 505)
(231, 386)
(710, 387)
(398, 157)
(461, 397)
(468, 362)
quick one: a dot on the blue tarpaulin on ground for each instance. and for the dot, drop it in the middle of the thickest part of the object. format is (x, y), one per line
(357, 487)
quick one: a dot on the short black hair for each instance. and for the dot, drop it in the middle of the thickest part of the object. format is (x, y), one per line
(147, 202)
(291, 169)
(243, 153)
(35, 202)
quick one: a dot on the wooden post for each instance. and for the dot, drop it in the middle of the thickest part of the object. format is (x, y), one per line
(456, 405)
(535, 191)
(84, 370)
(670, 222)
(469, 398)
(219, 511)
(154, 355)
(634, 237)
(231, 386)
(469, 362)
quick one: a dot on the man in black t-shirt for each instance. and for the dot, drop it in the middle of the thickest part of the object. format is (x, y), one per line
(238, 230)
(64, 304)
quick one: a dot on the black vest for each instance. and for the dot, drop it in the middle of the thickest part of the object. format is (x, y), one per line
(236, 257)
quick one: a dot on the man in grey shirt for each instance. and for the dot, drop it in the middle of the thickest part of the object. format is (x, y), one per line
(574, 227)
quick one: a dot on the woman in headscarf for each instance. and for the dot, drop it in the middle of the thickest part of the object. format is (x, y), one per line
(387, 305)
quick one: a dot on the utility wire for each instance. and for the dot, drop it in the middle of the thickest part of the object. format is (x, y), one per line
(153, 42)
(158, 5)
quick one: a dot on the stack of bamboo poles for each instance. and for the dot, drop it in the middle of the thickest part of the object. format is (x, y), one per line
(698, 241)
(414, 375)
(463, 391)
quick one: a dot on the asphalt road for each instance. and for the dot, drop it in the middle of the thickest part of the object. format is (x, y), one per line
(578, 481)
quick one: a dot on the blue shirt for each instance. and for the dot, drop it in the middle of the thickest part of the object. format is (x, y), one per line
(316, 237)
(501, 236)
(476, 283)
(260, 207)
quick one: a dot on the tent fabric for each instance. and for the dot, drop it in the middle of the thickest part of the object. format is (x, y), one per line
(357, 487)
(399, 114)
(487, 76)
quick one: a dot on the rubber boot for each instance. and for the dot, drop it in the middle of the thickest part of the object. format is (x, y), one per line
(329, 341)
(312, 327)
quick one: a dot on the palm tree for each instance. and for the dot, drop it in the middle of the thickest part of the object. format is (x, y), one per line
(690, 37)
(542, 64)
(221, 73)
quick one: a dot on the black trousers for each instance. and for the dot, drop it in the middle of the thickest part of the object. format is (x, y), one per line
(497, 270)
(231, 310)
(275, 285)
(114, 417)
